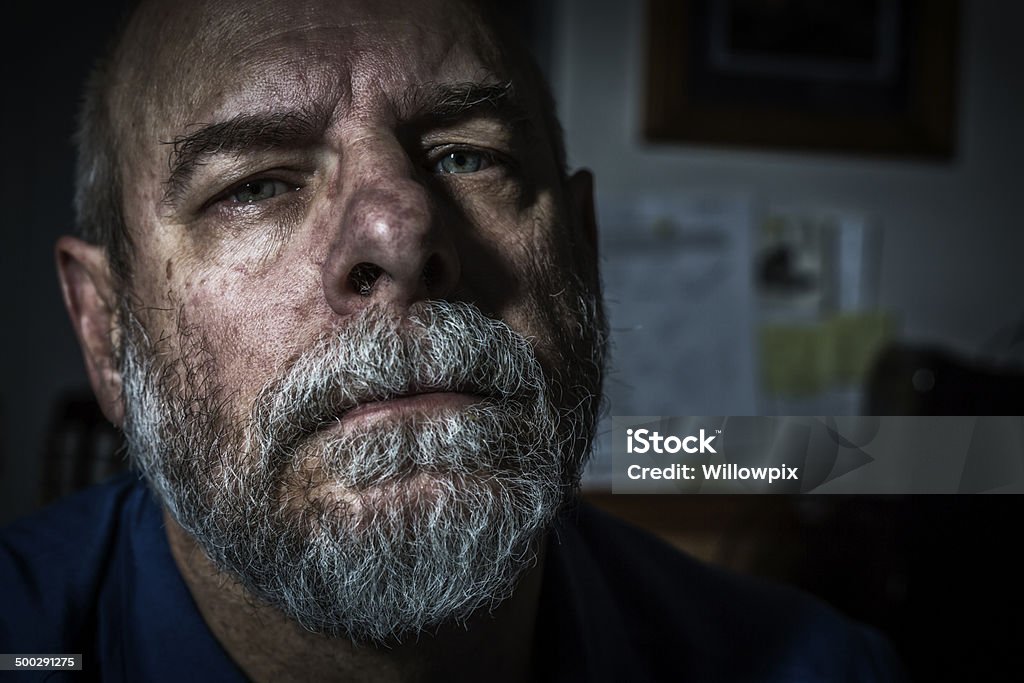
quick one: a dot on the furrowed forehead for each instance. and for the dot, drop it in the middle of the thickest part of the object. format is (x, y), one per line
(185, 64)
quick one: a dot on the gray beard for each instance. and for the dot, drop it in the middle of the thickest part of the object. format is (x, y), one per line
(374, 532)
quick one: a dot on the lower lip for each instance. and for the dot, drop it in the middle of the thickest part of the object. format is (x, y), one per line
(419, 404)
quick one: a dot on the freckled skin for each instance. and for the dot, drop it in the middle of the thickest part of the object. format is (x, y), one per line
(259, 283)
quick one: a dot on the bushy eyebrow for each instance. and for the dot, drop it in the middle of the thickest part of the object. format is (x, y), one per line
(245, 133)
(425, 106)
(450, 103)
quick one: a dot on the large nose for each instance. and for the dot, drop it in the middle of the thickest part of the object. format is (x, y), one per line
(391, 246)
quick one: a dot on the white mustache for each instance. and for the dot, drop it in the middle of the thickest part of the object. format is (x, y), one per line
(439, 346)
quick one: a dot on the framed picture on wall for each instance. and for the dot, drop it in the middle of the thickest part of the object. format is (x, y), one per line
(863, 76)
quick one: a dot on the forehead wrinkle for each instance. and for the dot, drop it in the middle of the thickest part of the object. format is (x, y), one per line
(314, 70)
(208, 34)
(212, 36)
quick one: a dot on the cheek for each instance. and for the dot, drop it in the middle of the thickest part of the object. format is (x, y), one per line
(546, 310)
(246, 326)
(502, 248)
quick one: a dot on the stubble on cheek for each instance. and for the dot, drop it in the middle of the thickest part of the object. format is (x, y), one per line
(246, 325)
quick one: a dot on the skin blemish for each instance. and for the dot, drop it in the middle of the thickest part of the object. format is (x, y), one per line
(169, 270)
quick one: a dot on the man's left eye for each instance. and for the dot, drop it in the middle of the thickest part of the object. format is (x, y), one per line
(258, 191)
(463, 161)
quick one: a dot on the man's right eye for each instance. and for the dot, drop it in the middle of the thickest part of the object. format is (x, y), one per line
(259, 190)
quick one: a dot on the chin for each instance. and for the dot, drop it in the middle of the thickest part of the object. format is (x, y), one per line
(410, 496)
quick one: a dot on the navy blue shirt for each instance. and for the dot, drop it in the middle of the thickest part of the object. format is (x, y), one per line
(94, 575)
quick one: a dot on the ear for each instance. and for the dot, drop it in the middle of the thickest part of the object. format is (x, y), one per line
(89, 296)
(581, 198)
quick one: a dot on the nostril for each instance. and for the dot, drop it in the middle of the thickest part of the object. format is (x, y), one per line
(433, 273)
(363, 277)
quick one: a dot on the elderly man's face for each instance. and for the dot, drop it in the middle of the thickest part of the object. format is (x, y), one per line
(361, 350)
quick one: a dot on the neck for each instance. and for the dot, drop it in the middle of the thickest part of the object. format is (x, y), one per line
(268, 646)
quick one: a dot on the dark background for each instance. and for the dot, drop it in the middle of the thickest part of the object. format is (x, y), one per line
(939, 574)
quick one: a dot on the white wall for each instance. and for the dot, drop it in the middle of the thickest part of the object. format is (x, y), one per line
(951, 264)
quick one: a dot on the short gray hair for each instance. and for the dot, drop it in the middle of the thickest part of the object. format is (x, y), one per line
(98, 199)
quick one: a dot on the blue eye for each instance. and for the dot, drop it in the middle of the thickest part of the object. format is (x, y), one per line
(462, 161)
(258, 191)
